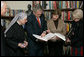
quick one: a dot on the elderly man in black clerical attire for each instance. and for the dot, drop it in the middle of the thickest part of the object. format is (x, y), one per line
(16, 40)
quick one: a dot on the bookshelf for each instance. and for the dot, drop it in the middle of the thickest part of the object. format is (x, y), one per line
(9, 16)
(67, 7)
(61, 9)
(11, 13)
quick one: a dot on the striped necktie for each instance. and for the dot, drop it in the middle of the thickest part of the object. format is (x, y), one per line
(39, 22)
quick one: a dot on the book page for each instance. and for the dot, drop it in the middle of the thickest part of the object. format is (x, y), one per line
(39, 37)
(60, 36)
(49, 36)
(46, 38)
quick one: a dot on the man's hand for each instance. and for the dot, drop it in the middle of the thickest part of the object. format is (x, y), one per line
(43, 34)
(68, 40)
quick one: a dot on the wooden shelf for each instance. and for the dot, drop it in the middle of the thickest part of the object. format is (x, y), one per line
(68, 21)
(7, 17)
(68, 9)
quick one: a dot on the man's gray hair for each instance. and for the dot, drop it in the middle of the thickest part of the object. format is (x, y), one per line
(2, 4)
(37, 7)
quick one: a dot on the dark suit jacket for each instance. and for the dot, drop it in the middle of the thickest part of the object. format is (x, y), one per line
(2, 42)
(32, 27)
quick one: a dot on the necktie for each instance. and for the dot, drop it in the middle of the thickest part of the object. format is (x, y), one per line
(39, 22)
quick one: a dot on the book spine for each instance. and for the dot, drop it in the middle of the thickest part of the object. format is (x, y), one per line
(81, 5)
(55, 5)
(41, 3)
(64, 5)
(52, 5)
(49, 4)
(47, 7)
(59, 4)
(71, 4)
(77, 4)
(68, 15)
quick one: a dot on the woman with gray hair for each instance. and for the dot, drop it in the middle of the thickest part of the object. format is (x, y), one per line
(76, 37)
(15, 36)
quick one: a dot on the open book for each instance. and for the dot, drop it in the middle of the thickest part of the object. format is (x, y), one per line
(49, 36)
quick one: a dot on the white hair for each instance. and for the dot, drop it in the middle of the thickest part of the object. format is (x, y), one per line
(2, 4)
(78, 13)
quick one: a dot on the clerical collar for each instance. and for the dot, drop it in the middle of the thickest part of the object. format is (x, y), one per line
(18, 22)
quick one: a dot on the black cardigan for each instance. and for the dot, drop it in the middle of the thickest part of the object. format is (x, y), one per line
(77, 38)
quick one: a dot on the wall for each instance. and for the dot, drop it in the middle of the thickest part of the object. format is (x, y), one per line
(18, 4)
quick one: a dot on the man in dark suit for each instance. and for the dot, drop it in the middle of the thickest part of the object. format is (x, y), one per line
(3, 11)
(36, 25)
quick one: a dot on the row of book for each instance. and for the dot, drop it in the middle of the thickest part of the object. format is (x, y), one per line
(67, 27)
(59, 4)
(13, 12)
(47, 15)
(65, 15)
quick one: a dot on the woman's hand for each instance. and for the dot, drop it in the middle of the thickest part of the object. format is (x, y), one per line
(23, 45)
(48, 31)
(26, 43)
(53, 39)
(68, 40)
(58, 38)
